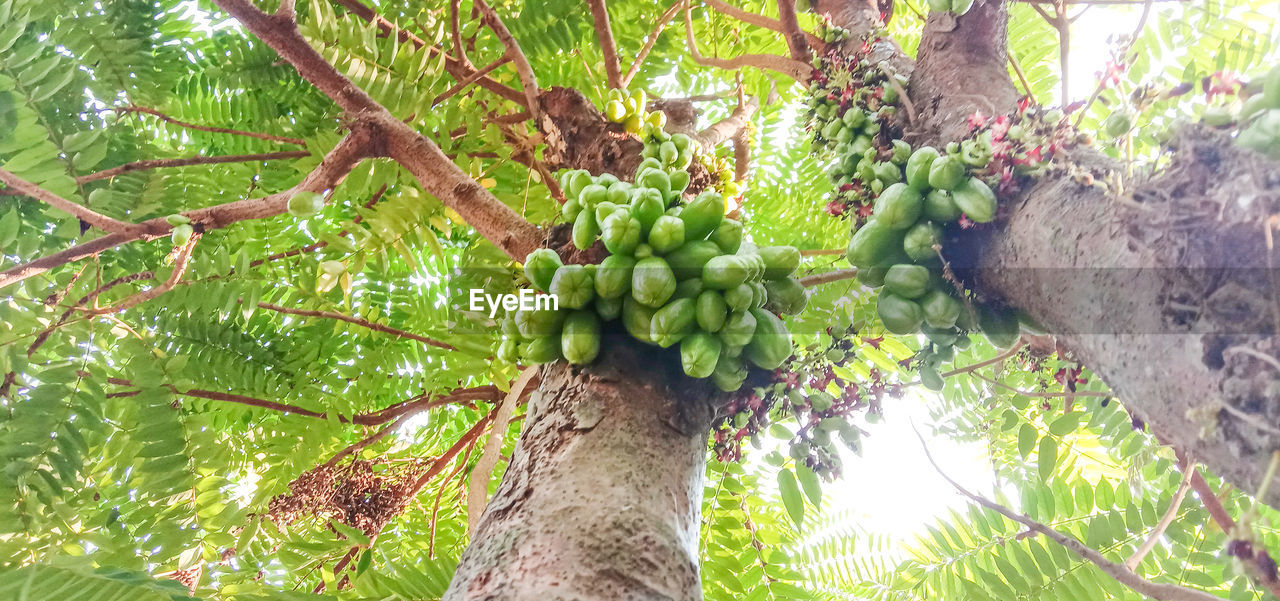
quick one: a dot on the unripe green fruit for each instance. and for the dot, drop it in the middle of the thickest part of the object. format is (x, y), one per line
(182, 234)
(305, 204)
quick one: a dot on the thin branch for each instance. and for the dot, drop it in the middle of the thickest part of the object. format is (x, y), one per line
(377, 327)
(1121, 574)
(286, 10)
(43, 336)
(742, 156)
(365, 442)
(189, 161)
(725, 129)
(787, 66)
(1102, 81)
(445, 458)
(1022, 77)
(810, 281)
(350, 151)
(78, 211)
(822, 251)
(608, 47)
(181, 259)
(455, 33)
(1042, 395)
(751, 18)
(219, 130)
(906, 100)
(470, 79)
(435, 506)
(527, 79)
(649, 41)
(478, 487)
(795, 37)
(1013, 350)
(1174, 506)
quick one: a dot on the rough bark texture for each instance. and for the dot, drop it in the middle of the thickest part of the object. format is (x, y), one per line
(602, 498)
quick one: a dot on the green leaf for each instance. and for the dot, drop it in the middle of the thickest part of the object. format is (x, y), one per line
(791, 498)
(1066, 424)
(1047, 457)
(1027, 437)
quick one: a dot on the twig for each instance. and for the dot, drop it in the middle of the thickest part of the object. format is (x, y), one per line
(652, 39)
(181, 259)
(286, 10)
(781, 64)
(455, 33)
(725, 129)
(527, 79)
(1174, 506)
(906, 100)
(810, 281)
(1042, 395)
(43, 336)
(795, 37)
(816, 252)
(219, 130)
(377, 327)
(189, 161)
(1022, 77)
(78, 211)
(608, 47)
(1121, 574)
(470, 79)
(981, 364)
(478, 487)
(1102, 81)
(375, 437)
(435, 506)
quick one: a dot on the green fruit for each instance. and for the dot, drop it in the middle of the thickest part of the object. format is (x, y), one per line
(939, 206)
(656, 179)
(729, 373)
(689, 288)
(609, 308)
(725, 272)
(613, 276)
(646, 207)
(637, 319)
(571, 209)
(931, 379)
(702, 215)
(573, 285)
(536, 323)
(786, 296)
(543, 349)
(688, 260)
(941, 336)
(873, 276)
(1252, 106)
(673, 322)
(873, 243)
(901, 152)
(305, 204)
(907, 281)
(899, 206)
(960, 7)
(1118, 124)
(620, 233)
(740, 297)
(920, 240)
(580, 338)
(1263, 134)
(699, 354)
(652, 282)
(918, 167)
(667, 234)
(182, 234)
(603, 210)
(759, 294)
(946, 173)
(1271, 88)
(779, 261)
(899, 315)
(177, 219)
(576, 180)
(1000, 327)
(771, 344)
(941, 310)
(1217, 116)
(667, 153)
(679, 180)
(711, 311)
(620, 193)
(540, 266)
(887, 173)
(976, 200)
(755, 265)
(585, 230)
(592, 195)
(615, 111)
(727, 235)
(944, 353)
(738, 329)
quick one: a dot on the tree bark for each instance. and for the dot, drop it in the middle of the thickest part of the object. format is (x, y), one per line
(603, 495)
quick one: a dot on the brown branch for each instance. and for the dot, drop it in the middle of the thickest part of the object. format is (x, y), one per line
(478, 488)
(470, 79)
(189, 161)
(787, 66)
(742, 156)
(810, 281)
(666, 17)
(1022, 77)
(43, 336)
(218, 130)
(527, 79)
(822, 251)
(795, 37)
(375, 437)
(76, 210)
(1157, 532)
(455, 33)
(1213, 505)
(181, 259)
(724, 129)
(608, 47)
(435, 506)
(750, 18)
(1120, 573)
(377, 327)
(332, 169)
(445, 458)
(1013, 350)
(1042, 395)
(455, 67)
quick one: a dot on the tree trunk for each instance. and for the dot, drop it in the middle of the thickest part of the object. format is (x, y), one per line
(603, 495)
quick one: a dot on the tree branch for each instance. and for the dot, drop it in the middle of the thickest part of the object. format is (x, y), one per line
(76, 210)
(181, 259)
(608, 47)
(527, 79)
(478, 487)
(189, 161)
(470, 79)
(724, 129)
(1121, 574)
(751, 18)
(795, 37)
(377, 327)
(791, 68)
(649, 41)
(810, 281)
(219, 130)
(455, 33)
(1188, 474)
(332, 169)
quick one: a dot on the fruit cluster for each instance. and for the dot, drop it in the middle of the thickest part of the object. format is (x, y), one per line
(1259, 117)
(677, 272)
(956, 7)
(629, 110)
